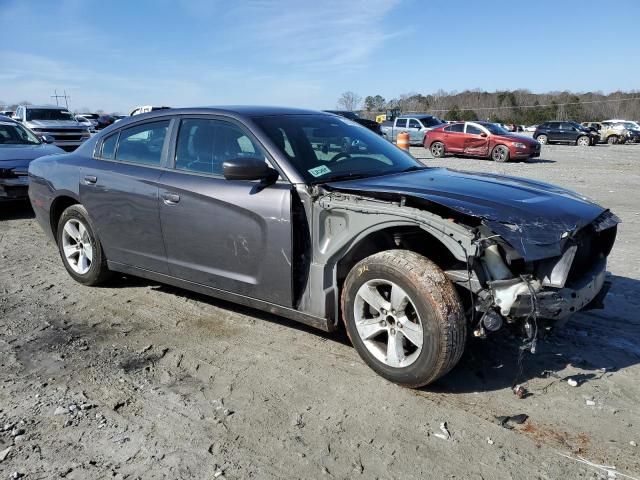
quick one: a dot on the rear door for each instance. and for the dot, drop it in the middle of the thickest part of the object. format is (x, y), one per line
(232, 235)
(555, 133)
(119, 189)
(476, 141)
(454, 137)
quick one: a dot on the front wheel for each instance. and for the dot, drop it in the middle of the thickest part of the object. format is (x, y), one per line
(500, 154)
(542, 139)
(612, 139)
(583, 141)
(404, 317)
(80, 248)
(437, 149)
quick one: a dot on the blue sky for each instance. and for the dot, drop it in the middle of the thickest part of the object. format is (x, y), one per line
(117, 54)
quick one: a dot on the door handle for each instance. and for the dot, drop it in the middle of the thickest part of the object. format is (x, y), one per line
(90, 179)
(170, 198)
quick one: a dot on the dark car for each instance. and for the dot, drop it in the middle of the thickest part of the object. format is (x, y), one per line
(103, 121)
(370, 124)
(480, 139)
(264, 207)
(565, 132)
(18, 146)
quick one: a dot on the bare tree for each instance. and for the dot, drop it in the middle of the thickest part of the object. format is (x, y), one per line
(349, 101)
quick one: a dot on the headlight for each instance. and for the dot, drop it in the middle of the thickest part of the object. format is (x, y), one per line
(519, 145)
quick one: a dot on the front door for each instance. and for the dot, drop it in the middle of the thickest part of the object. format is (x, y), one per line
(476, 141)
(231, 235)
(119, 190)
(416, 135)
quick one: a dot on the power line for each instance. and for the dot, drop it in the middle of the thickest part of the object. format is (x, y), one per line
(538, 106)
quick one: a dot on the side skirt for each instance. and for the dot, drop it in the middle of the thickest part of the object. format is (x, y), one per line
(291, 314)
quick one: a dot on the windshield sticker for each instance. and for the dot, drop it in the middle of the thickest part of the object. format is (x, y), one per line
(318, 171)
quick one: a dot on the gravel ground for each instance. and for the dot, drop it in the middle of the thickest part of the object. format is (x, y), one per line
(141, 380)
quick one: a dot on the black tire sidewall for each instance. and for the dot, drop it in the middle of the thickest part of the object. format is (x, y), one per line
(427, 361)
(497, 148)
(97, 269)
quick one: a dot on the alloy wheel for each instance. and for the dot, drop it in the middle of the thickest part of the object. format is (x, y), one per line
(542, 139)
(77, 246)
(388, 323)
(437, 149)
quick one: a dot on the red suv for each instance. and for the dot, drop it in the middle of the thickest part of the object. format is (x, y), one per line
(480, 139)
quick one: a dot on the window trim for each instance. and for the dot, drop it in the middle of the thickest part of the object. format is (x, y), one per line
(163, 153)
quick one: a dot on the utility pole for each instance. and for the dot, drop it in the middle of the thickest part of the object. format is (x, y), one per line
(65, 96)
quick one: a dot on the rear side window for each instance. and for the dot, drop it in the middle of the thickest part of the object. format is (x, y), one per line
(455, 128)
(142, 143)
(108, 149)
(204, 145)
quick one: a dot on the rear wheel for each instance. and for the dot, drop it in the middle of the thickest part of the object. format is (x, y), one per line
(583, 141)
(437, 149)
(542, 139)
(500, 153)
(80, 248)
(404, 317)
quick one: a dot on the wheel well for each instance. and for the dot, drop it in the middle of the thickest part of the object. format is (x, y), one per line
(58, 206)
(406, 238)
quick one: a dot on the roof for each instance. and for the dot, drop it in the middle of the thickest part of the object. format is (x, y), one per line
(4, 118)
(48, 107)
(416, 115)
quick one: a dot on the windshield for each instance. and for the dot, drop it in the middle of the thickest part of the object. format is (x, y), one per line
(14, 134)
(325, 148)
(48, 114)
(630, 126)
(494, 128)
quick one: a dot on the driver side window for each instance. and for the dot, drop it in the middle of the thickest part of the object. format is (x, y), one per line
(204, 145)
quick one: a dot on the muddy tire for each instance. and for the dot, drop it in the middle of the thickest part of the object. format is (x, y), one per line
(583, 141)
(613, 139)
(80, 248)
(437, 149)
(500, 154)
(404, 317)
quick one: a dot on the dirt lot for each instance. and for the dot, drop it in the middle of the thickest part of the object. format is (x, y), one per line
(140, 380)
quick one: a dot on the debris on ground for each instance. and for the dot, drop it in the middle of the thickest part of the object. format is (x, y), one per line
(489, 441)
(572, 382)
(520, 391)
(506, 420)
(445, 435)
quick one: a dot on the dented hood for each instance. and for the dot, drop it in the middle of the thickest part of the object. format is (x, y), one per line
(535, 218)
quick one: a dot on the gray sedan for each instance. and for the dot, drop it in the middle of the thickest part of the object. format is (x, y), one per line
(313, 217)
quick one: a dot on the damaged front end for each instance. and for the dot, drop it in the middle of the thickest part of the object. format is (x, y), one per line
(529, 253)
(513, 289)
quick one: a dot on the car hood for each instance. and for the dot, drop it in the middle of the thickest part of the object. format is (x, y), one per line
(54, 123)
(19, 156)
(535, 218)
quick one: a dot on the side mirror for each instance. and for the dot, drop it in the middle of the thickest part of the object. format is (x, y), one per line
(248, 169)
(47, 139)
(483, 134)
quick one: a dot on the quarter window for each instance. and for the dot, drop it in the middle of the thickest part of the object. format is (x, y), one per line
(109, 147)
(142, 143)
(204, 145)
